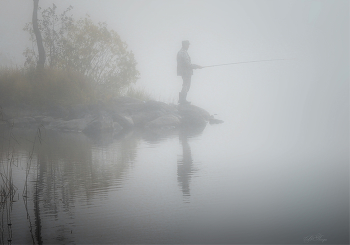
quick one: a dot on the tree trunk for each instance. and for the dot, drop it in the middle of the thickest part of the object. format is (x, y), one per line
(39, 40)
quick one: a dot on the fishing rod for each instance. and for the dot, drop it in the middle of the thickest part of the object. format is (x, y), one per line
(234, 63)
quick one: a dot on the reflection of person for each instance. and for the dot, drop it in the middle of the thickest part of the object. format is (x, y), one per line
(184, 167)
(185, 69)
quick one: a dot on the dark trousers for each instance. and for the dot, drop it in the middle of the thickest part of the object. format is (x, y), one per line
(186, 84)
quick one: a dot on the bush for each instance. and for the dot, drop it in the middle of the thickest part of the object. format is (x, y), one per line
(56, 87)
(88, 48)
(138, 93)
(45, 88)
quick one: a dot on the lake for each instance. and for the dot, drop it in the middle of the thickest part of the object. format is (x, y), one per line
(224, 183)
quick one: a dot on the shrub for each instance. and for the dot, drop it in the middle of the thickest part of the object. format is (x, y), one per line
(88, 48)
(45, 88)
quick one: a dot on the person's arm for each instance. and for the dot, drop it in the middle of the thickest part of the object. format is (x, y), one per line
(193, 66)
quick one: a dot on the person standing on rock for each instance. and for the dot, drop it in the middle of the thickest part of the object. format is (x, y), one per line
(185, 69)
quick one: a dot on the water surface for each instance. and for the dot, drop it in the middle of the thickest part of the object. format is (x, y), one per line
(207, 185)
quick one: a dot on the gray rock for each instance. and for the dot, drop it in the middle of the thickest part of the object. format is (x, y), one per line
(193, 115)
(102, 124)
(47, 120)
(78, 111)
(215, 121)
(117, 127)
(166, 121)
(158, 106)
(76, 125)
(125, 121)
(195, 110)
(143, 117)
(23, 121)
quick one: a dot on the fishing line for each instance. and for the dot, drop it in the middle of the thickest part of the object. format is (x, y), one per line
(242, 62)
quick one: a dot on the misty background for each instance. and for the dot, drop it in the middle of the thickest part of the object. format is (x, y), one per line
(278, 163)
(302, 99)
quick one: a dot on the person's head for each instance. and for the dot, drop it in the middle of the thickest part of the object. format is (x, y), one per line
(185, 44)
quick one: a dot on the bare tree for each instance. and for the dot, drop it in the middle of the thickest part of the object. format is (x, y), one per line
(39, 40)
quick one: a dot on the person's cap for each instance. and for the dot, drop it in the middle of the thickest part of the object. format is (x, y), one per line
(185, 42)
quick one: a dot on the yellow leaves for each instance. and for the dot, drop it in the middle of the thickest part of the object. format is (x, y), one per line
(86, 47)
(50, 86)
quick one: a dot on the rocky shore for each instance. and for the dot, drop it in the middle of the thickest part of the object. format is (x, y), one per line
(122, 114)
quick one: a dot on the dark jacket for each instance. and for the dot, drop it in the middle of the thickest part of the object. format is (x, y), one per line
(184, 66)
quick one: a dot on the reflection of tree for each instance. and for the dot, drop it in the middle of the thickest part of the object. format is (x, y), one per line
(7, 187)
(66, 167)
(73, 167)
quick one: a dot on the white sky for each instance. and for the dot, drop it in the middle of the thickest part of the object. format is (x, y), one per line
(306, 95)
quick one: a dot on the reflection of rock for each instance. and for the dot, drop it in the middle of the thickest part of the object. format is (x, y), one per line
(122, 113)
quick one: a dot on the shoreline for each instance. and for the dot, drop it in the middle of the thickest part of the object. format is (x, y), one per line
(120, 115)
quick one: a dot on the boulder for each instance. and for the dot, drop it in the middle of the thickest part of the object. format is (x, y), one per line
(76, 125)
(78, 111)
(193, 115)
(46, 120)
(102, 124)
(195, 110)
(23, 121)
(143, 117)
(213, 120)
(166, 121)
(158, 106)
(125, 121)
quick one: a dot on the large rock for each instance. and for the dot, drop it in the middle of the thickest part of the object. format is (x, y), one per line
(193, 115)
(164, 121)
(125, 121)
(102, 124)
(76, 125)
(23, 121)
(159, 106)
(122, 113)
(152, 110)
(78, 111)
(192, 109)
(46, 120)
(143, 117)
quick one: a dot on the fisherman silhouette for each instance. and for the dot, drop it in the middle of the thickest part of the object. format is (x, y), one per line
(185, 70)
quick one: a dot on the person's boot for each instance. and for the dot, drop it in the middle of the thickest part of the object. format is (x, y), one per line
(182, 99)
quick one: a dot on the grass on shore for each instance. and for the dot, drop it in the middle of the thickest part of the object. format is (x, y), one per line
(41, 89)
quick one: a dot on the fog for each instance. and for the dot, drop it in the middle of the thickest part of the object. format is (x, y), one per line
(300, 102)
(308, 92)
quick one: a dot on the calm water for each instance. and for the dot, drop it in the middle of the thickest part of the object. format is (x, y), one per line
(211, 185)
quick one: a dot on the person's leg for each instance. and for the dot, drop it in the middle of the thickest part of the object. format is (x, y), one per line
(185, 88)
